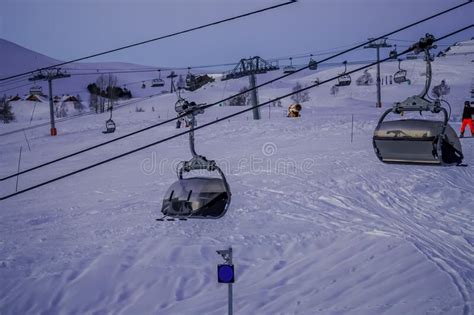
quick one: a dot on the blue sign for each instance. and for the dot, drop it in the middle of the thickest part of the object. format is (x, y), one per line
(225, 273)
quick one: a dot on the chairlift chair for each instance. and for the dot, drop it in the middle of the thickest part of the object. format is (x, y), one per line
(290, 68)
(313, 64)
(109, 124)
(401, 75)
(416, 141)
(393, 53)
(159, 82)
(195, 197)
(36, 90)
(190, 81)
(344, 79)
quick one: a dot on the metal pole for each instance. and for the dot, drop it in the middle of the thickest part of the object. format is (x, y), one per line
(379, 96)
(19, 161)
(254, 97)
(51, 108)
(191, 134)
(230, 294)
(51, 75)
(378, 45)
(352, 127)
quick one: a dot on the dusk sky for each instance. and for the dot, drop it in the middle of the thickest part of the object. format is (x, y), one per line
(70, 29)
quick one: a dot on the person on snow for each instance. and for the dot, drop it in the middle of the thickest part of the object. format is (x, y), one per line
(467, 118)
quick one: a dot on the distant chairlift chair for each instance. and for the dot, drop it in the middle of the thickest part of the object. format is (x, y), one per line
(344, 79)
(36, 90)
(159, 82)
(109, 124)
(290, 68)
(313, 64)
(393, 53)
(401, 75)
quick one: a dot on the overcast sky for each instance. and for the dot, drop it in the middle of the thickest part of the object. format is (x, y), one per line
(67, 29)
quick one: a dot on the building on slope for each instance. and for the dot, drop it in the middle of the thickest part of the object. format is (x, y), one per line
(35, 98)
(14, 98)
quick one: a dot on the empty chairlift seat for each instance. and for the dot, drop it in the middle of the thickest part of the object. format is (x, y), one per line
(157, 83)
(418, 142)
(195, 197)
(401, 75)
(344, 79)
(290, 68)
(109, 126)
(199, 197)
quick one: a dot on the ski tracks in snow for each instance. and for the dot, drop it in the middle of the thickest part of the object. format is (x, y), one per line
(412, 203)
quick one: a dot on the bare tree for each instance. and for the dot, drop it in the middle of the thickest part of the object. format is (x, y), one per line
(111, 91)
(61, 110)
(240, 100)
(93, 102)
(6, 114)
(300, 97)
(101, 83)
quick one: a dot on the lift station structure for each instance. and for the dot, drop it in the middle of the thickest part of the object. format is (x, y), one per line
(251, 67)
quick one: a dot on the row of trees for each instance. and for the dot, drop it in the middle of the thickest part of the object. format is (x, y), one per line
(104, 91)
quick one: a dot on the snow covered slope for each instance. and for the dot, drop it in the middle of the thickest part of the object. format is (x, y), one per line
(17, 59)
(461, 48)
(317, 223)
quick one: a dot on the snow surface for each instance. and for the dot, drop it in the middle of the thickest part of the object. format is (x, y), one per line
(318, 225)
(461, 48)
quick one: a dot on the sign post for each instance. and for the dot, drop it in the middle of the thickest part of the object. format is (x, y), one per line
(225, 274)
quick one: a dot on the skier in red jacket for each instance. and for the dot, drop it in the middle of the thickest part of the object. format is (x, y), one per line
(467, 118)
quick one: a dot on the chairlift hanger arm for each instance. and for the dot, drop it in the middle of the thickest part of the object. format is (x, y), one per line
(416, 103)
(198, 162)
(419, 103)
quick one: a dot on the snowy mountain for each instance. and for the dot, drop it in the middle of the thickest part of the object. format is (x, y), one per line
(17, 59)
(317, 223)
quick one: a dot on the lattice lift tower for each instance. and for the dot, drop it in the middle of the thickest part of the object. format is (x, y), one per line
(50, 75)
(251, 67)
